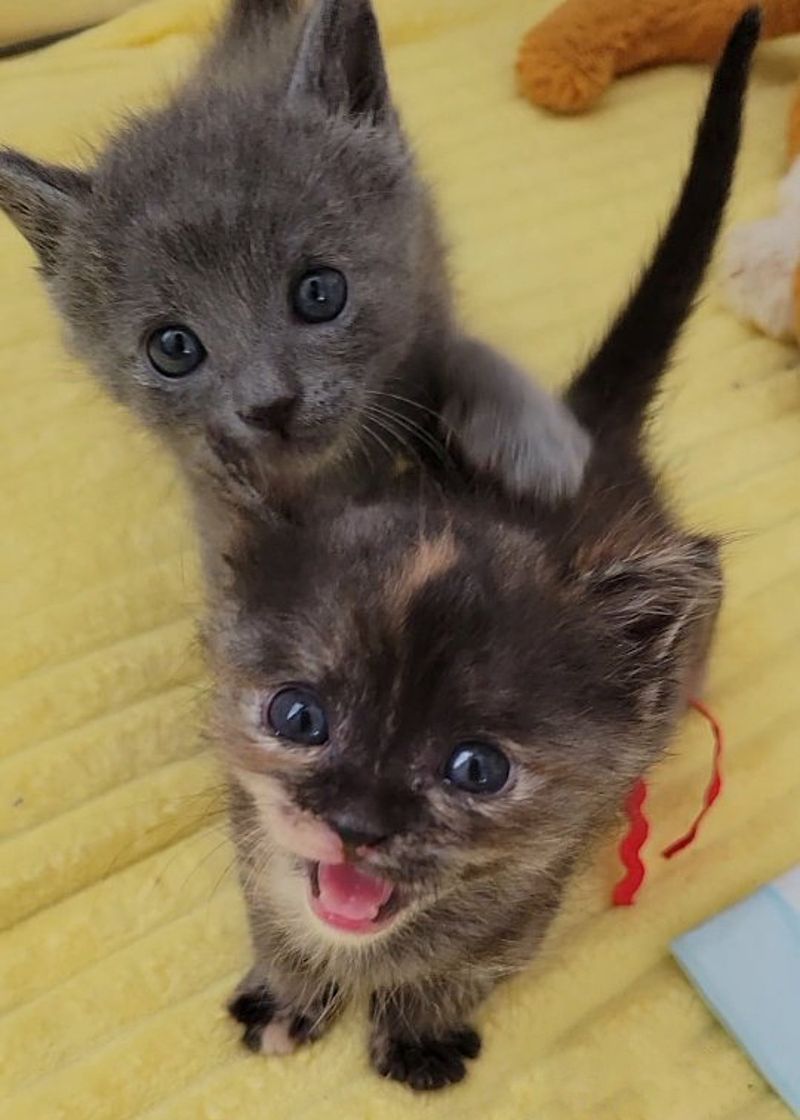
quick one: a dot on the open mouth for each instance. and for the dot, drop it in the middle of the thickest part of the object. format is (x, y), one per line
(349, 899)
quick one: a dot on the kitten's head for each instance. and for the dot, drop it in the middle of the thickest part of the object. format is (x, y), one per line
(243, 266)
(419, 699)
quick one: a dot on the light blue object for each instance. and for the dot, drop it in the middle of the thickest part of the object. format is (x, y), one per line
(746, 964)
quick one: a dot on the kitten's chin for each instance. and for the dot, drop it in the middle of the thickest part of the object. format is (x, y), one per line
(349, 900)
(300, 455)
(254, 468)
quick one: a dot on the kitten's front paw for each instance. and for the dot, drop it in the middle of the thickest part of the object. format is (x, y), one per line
(425, 1063)
(533, 444)
(270, 1028)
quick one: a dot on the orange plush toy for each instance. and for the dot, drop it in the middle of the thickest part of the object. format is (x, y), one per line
(569, 59)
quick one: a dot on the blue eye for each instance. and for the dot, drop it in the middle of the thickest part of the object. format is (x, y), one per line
(320, 296)
(478, 768)
(296, 714)
(175, 351)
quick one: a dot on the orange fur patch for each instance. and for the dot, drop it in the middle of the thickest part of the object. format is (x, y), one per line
(432, 558)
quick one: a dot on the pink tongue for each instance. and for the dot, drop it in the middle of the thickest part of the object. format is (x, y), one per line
(350, 893)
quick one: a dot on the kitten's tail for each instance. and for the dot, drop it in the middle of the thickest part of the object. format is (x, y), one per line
(614, 389)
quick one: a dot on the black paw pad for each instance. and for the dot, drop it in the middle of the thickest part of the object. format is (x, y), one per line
(429, 1063)
(309, 1027)
(467, 1042)
(301, 1028)
(254, 1010)
(251, 1037)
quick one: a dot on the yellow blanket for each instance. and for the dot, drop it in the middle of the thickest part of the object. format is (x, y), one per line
(22, 20)
(123, 931)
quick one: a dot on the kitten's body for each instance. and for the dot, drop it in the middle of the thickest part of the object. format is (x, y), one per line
(280, 156)
(562, 641)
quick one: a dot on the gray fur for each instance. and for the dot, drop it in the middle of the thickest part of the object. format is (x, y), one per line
(282, 152)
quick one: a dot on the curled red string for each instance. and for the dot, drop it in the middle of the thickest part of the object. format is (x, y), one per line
(632, 843)
(714, 786)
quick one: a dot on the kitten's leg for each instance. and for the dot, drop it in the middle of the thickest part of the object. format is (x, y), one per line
(280, 1010)
(508, 425)
(420, 1035)
(283, 1001)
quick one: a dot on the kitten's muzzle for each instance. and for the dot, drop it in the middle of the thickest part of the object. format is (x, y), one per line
(355, 832)
(274, 417)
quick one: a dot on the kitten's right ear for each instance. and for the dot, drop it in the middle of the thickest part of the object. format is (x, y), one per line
(41, 199)
(340, 60)
(248, 16)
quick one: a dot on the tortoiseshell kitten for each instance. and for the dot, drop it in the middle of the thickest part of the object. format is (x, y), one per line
(430, 705)
(256, 270)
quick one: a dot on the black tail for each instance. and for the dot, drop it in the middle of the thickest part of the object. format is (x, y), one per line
(613, 391)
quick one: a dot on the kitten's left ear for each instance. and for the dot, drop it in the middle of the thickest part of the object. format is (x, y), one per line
(41, 199)
(340, 60)
(659, 603)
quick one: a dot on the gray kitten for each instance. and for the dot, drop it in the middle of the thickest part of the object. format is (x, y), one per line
(256, 270)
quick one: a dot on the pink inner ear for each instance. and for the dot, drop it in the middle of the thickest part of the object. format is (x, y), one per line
(305, 835)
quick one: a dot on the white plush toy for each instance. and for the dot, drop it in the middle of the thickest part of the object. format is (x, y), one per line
(761, 266)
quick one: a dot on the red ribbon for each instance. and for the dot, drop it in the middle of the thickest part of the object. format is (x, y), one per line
(632, 843)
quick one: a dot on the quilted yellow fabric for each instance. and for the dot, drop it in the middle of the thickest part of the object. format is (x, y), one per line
(123, 930)
(23, 20)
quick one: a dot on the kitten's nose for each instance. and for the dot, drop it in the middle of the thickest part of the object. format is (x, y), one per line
(273, 417)
(356, 832)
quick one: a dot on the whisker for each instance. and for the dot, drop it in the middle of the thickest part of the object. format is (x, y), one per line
(414, 429)
(404, 442)
(366, 428)
(406, 400)
(384, 420)
(204, 860)
(360, 444)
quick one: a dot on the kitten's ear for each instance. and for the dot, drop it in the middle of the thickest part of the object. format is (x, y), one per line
(246, 17)
(659, 605)
(340, 60)
(41, 199)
